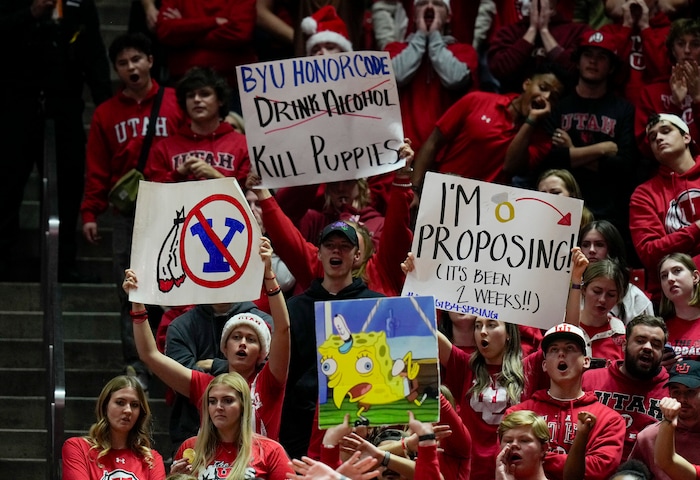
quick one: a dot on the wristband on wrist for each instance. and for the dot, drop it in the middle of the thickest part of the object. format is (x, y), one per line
(576, 286)
(530, 121)
(427, 436)
(139, 317)
(387, 457)
(271, 278)
(274, 291)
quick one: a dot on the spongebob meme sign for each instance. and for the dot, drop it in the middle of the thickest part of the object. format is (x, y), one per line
(377, 359)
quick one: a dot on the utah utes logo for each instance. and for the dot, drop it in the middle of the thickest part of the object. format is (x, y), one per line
(682, 368)
(597, 37)
(119, 474)
(491, 403)
(682, 210)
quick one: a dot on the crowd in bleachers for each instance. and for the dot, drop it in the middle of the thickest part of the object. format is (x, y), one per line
(592, 99)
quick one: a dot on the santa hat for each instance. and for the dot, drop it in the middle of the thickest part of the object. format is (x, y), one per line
(326, 26)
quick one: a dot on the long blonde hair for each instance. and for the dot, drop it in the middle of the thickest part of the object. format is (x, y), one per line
(511, 376)
(364, 196)
(208, 437)
(139, 439)
(366, 252)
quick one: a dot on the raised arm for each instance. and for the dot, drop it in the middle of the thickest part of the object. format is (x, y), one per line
(517, 159)
(396, 241)
(458, 444)
(575, 466)
(665, 456)
(300, 256)
(173, 374)
(427, 466)
(278, 360)
(579, 262)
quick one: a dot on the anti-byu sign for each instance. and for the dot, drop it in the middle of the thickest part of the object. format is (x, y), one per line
(195, 242)
(323, 118)
(494, 251)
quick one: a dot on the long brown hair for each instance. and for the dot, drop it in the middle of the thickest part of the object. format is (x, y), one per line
(139, 439)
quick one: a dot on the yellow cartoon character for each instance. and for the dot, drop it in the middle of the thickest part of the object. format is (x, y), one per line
(359, 366)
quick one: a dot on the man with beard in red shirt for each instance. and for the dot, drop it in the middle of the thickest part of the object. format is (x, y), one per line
(633, 387)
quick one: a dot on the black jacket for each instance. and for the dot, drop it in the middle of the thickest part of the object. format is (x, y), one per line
(302, 383)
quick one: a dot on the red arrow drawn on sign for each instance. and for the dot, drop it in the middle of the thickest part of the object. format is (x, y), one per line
(565, 218)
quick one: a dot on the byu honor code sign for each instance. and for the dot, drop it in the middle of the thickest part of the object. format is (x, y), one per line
(324, 118)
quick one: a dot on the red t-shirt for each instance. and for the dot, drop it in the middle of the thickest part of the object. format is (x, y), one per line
(684, 336)
(478, 130)
(268, 462)
(267, 395)
(80, 463)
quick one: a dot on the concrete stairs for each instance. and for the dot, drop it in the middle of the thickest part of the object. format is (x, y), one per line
(93, 356)
(91, 328)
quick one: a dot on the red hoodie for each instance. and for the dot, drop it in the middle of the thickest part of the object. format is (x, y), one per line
(643, 54)
(636, 400)
(383, 269)
(663, 211)
(115, 140)
(197, 38)
(224, 149)
(605, 442)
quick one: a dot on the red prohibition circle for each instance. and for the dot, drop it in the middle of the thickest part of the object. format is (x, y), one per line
(197, 213)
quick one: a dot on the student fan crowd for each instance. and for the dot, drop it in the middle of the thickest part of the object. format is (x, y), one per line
(592, 99)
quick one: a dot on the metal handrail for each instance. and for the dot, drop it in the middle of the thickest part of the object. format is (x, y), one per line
(54, 359)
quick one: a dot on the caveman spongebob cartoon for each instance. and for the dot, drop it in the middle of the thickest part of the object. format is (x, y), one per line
(359, 366)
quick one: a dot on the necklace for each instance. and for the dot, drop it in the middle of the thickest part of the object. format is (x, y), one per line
(229, 447)
(564, 399)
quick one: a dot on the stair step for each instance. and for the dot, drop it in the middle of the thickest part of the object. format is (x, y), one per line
(99, 267)
(76, 325)
(113, 12)
(31, 353)
(100, 354)
(91, 328)
(22, 443)
(23, 468)
(22, 447)
(79, 413)
(76, 297)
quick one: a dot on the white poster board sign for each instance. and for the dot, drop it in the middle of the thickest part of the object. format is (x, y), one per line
(195, 243)
(324, 118)
(494, 251)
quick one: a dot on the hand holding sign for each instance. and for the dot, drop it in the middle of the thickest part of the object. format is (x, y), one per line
(196, 254)
(493, 251)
